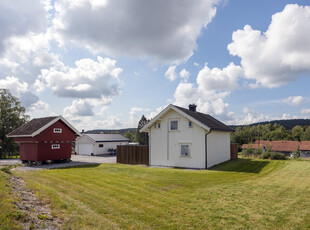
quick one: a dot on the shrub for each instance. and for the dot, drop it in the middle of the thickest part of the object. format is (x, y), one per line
(296, 154)
(258, 152)
(265, 155)
(248, 151)
(277, 156)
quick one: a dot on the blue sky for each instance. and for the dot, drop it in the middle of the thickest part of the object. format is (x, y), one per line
(102, 64)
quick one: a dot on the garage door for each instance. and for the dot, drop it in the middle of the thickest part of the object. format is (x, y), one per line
(85, 149)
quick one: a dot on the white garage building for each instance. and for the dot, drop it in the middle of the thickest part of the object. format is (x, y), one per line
(97, 144)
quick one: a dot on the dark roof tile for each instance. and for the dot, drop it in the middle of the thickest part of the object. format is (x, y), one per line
(207, 120)
(32, 126)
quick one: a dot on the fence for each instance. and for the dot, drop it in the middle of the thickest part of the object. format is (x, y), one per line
(233, 150)
(132, 154)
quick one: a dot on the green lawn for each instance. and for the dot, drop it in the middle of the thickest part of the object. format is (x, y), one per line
(241, 194)
(9, 216)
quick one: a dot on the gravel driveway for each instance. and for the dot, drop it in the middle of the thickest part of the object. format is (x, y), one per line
(76, 160)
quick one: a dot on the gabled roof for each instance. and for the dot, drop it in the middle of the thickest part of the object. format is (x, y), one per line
(37, 125)
(305, 146)
(107, 137)
(203, 120)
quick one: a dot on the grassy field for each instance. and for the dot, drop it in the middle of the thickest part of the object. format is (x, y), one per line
(241, 194)
(9, 216)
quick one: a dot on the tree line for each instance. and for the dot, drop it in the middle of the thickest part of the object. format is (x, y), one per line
(270, 132)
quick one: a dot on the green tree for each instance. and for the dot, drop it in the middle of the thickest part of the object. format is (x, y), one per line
(306, 134)
(297, 132)
(129, 135)
(142, 138)
(12, 116)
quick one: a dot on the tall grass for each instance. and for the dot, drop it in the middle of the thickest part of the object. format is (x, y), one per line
(243, 193)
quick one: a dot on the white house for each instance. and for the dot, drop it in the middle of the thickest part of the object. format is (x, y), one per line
(97, 144)
(186, 138)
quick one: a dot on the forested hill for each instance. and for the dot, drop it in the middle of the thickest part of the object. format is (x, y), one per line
(120, 131)
(287, 124)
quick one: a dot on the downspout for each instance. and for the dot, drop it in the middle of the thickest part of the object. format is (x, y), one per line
(206, 148)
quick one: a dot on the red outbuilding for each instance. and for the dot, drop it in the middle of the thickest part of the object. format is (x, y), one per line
(43, 139)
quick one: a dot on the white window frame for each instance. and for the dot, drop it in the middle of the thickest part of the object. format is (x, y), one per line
(57, 130)
(188, 150)
(178, 125)
(190, 124)
(55, 146)
(158, 125)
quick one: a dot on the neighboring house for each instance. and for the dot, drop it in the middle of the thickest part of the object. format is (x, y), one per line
(286, 147)
(43, 139)
(304, 149)
(186, 138)
(97, 144)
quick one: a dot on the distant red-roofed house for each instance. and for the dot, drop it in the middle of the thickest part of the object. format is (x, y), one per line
(43, 139)
(286, 147)
(304, 149)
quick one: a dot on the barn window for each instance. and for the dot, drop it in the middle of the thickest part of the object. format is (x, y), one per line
(57, 130)
(184, 150)
(158, 125)
(174, 125)
(100, 145)
(56, 146)
(190, 124)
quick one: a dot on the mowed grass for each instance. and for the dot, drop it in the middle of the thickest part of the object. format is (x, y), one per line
(240, 194)
(9, 216)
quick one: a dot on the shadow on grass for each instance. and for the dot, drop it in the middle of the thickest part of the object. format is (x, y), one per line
(241, 165)
(86, 165)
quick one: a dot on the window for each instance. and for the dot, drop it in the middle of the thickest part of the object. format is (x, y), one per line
(57, 130)
(56, 146)
(158, 125)
(190, 124)
(174, 125)
(184, 150)
(100, 145)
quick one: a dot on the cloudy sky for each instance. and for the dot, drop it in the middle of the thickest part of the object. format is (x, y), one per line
(103, 63)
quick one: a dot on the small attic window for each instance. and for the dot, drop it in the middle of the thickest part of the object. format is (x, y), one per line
(190, 124)
(158, 125)
(57, 130)
(56, 146)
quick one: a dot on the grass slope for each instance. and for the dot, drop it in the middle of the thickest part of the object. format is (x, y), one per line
(9, 216)
(241, 194)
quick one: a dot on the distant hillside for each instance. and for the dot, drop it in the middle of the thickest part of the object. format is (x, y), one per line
(108, 131)
(288, 124)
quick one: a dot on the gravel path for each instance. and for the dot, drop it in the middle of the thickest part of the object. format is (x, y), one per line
(76, 160)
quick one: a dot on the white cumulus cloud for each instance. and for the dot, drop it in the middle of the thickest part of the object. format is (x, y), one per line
(294, 100)
(20, 90)
(279, 55)
(162, 30)
(88, 79)
(171, 74)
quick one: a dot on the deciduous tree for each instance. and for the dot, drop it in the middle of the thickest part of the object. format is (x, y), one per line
(12, 116)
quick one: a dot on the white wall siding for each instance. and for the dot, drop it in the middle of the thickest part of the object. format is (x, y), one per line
(166, 144)
(82, 149)
(218, 147)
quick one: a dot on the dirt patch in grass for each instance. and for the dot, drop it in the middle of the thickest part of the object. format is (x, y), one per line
(31, 211)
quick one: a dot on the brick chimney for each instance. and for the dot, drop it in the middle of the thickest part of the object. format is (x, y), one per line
(192, 107)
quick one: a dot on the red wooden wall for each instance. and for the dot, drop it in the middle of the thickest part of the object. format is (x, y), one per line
(39, 148)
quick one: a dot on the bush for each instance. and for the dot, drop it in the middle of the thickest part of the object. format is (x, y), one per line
(265, 155)
(277, 156)
(258, 152)
(296, 154)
